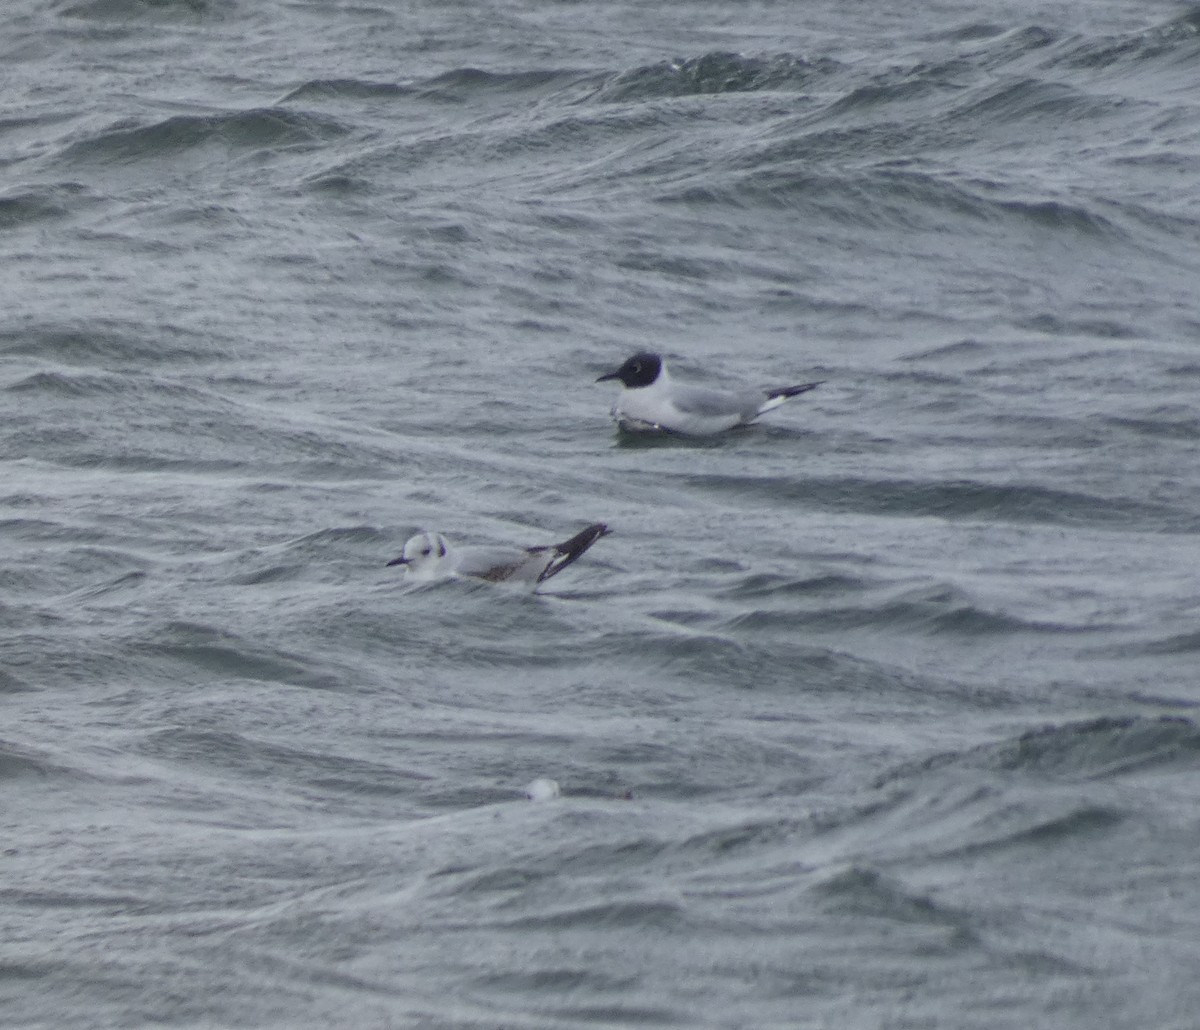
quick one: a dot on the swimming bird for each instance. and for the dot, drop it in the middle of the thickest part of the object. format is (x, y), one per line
(428, 556)
(651, 401)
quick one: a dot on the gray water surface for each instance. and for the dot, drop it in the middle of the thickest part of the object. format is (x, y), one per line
(879, 714)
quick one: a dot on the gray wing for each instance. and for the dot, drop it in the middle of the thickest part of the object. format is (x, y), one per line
(707, 403)
(494, 563)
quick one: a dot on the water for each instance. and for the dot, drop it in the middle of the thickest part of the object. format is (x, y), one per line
(879, 714)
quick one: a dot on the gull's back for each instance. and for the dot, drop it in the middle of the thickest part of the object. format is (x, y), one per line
(499, 564)
(705, 402)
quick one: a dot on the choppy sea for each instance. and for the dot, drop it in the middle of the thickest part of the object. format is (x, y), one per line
(879, 714)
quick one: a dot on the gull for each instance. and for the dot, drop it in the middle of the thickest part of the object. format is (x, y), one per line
(651, 401)
(429, 556)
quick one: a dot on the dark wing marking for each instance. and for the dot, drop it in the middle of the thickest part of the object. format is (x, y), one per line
(792, 391)
(569, 550)
(497, 573)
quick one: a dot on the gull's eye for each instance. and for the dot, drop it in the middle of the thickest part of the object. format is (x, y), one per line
(636, 367)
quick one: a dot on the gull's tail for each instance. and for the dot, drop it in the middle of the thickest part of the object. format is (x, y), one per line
(569, 550)
(777, 397)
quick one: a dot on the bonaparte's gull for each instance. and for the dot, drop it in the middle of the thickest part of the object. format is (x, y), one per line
(429, 556)
(651, 401)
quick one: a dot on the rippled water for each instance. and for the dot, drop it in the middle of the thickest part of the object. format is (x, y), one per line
(878, 714)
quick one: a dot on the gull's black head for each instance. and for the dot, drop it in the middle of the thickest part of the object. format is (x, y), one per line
(640, 370)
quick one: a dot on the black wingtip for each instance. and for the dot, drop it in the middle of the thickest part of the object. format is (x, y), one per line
(569, 550)
(793, 391)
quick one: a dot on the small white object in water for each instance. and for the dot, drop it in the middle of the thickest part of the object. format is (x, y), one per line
(543, 790)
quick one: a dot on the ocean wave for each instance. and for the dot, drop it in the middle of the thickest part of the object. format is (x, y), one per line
(994, 827)
(1174, 644)
(932, 610)
(454, 86)
(1059, 215)
(1031, 101)
(872, 154)
(315, 555)
(771, 584)
(33, 204)
(459, 83)
(1176, 422)
(69, 384)
(950, 499)
(103, 341)
(17, 762)
(1173, 42)
(197, 650)
(556, 981)
(125, 11)
(1093, 750)
(262, 128)
(10, 683)
(1102, 748)
(1059, 787)
(245, 753)
(1058, 325)
(713, 73)
(864, 891)
(347, 89)
(879, 198)
(644, 914)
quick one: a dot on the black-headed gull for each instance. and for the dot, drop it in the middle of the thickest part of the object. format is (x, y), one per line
(651, 401)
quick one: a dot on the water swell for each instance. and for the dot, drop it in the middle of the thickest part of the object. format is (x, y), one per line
(1031, 101)
(1104, 748)
(71, 384)
(809, 652)
(1097, 749)
(111, 344)
(928, 610)
(347, 89)
(863, 891)
(274, 129)
(1174, 644)
(713, 73)
(1175, 42)
(17, 762)
(461, 83)
(125, 11)
(957, 499)
(204, 653)
(242, 753)
(41, 203)
(812, 156)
